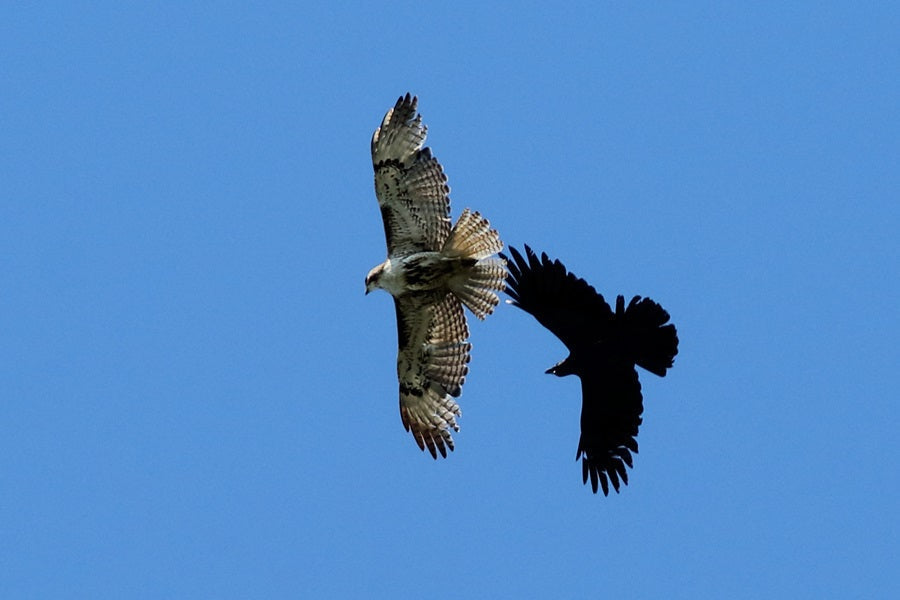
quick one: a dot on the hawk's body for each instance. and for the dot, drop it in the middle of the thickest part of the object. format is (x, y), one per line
(431, 271)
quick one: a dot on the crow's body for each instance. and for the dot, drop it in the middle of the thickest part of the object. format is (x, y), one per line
(604, 348)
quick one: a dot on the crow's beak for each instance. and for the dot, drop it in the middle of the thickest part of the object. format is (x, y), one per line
(551, 371)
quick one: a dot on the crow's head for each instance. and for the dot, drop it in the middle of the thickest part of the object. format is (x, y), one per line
(562, 368)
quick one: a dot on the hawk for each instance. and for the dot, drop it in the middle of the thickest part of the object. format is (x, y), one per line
(604, 347)
(432, 271)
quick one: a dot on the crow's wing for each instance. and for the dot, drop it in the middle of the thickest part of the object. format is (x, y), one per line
(611, 407)
(563, 303)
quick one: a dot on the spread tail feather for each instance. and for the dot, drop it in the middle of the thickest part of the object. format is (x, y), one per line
(474, 242)
(656, 343)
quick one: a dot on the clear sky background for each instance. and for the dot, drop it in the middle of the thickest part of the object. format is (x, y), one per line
(197, 399)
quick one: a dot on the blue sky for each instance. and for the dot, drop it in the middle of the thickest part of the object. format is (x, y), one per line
(197, 400)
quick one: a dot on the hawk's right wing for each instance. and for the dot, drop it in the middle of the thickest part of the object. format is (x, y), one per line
(431, 366)
(410, 183)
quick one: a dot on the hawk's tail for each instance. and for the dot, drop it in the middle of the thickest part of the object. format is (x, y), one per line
(473, 241)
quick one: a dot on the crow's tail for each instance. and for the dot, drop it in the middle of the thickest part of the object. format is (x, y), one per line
(655, 342)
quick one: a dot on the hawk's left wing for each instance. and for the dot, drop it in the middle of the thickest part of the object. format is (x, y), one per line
(431, 366)
(410, 183)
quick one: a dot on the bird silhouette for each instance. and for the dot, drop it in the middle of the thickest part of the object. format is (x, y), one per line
(604, 348)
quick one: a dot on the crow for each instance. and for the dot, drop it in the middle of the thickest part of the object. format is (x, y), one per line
(604, 347)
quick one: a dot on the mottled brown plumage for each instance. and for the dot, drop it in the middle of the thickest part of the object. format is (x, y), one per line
(432, 270)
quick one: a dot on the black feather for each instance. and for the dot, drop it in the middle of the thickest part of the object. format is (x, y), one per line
(604, 349)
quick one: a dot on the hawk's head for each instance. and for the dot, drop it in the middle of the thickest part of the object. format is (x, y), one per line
(373, 279)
